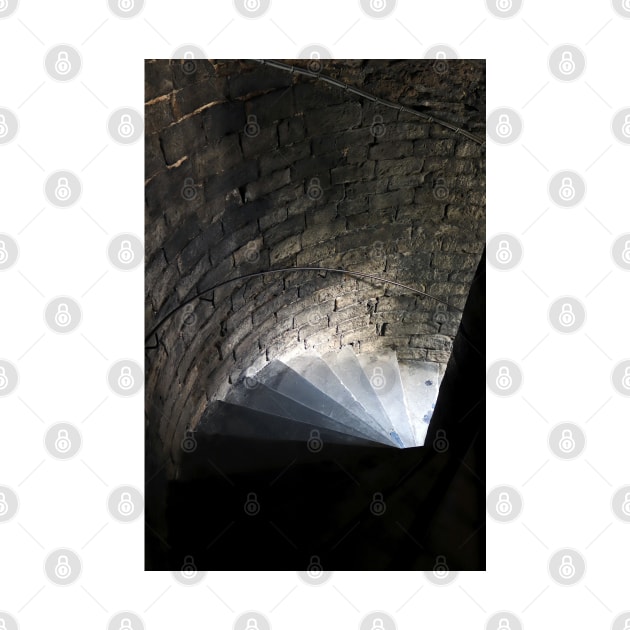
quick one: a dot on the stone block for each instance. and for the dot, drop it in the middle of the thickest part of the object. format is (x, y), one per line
(223, 118)
(217, 156)
(157, 116)
(272, 106)
(401, 166)
(258, 79)
(401, 197)
(291, 130)
(352, 173)
(437, 356)
(286, 248)
(312, 95)
(323, 232)
(432, 342)
(449, 261)
(293, 225)
(192, 97)
(237, 215)
(236, 177)
(334, 118)
(391, 150)
(313, 315)
(265, 140)
(266, 184)
(285, 156)
(182, 138)
(158, 78)
(364, 332)
(315, 253)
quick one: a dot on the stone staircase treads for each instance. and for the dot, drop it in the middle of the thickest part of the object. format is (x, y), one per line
(350, 399)
(348, 370)
(314, 369)
(421, 382)
(281, 378)
(381, 368)
(223, 418)
(263, 398)
(266, 442)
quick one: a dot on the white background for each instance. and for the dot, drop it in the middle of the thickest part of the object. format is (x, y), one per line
(63, 252)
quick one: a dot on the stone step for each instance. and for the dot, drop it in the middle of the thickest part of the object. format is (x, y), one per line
(348, 370)
(223, 418)
(381, 368)
(251, 393)
(281, 378)
(421, 382)
(316, 371)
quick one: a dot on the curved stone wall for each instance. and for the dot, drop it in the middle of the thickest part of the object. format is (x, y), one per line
(250, 168)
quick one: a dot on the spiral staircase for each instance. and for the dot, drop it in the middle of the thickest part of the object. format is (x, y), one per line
(338, 398)
(316, 459)
(343, 461)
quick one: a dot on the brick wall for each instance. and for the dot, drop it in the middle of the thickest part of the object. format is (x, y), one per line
(251, 168)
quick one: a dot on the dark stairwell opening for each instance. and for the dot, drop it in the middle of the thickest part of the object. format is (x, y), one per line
(294, 413)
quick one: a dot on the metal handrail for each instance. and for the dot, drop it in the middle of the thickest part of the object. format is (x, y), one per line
(288, 269)
(375, 99)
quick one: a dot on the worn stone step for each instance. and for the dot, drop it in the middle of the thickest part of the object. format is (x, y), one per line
(282, 379)
(314, 369)
(348, 370)
(255, 395)
(381, 368)
(421, 382)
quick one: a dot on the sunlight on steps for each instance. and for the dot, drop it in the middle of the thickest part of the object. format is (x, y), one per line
(340, 397)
